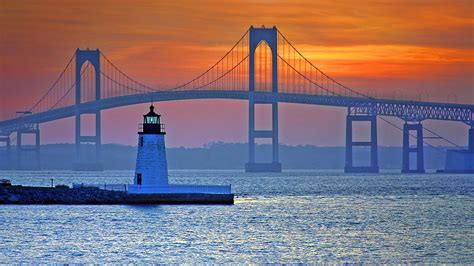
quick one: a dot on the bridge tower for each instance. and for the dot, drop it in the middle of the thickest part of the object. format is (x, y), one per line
(418, 149)
(82, 162)
(471, 138)
(35, 149)
(269, 36)
(364, 114)
(6, 164)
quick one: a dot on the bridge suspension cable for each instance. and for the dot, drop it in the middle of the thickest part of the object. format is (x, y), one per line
(123, 79)
(424, 141)
(441, 137)
(54, 91)
(70, 88)
(321, 87)
(228, 73)
(294, 60)
(237, 54)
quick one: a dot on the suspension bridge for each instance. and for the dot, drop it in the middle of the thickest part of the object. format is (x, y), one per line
(263, 68)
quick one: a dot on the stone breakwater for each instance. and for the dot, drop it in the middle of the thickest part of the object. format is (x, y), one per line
(87, 195)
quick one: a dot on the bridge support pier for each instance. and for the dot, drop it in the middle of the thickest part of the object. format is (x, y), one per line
(33, 164)
(461, 161)
(84, 161)
(471, 139)
(374, 164)
(6, 164)
(418, 149)
(252, 165)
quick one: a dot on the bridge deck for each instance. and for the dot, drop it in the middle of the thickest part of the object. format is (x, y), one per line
(408, 110)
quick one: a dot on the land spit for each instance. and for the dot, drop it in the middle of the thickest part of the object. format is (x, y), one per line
(90, 195)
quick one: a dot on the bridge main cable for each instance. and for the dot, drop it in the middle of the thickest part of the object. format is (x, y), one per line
(324, 74)
(52, 86)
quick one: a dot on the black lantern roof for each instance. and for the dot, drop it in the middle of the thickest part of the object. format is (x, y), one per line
(152, 112)
(152, 123)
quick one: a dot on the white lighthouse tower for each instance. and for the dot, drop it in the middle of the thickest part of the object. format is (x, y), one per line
(151, 171)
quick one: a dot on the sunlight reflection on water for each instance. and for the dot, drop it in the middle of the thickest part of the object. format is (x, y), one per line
(296, 216)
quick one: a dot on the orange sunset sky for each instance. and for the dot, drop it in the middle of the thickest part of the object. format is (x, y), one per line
(425, 49)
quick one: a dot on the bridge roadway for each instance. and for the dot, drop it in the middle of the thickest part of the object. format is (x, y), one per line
(404, 109)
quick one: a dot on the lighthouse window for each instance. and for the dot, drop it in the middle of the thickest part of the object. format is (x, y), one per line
(140, 142)
(151, 120)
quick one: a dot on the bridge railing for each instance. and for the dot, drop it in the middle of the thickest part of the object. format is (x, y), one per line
(105, 186)
(169, 189)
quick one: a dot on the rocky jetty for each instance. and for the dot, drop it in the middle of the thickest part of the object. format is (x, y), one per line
(89, 195)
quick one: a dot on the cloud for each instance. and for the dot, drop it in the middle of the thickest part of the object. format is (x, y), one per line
(372, 44)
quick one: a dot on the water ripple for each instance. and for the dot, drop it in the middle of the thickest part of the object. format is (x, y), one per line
(293, 217)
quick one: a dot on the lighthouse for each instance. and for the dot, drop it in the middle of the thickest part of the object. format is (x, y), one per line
(151, 169)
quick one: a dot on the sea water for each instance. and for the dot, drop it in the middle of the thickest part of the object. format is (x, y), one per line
(294, 216)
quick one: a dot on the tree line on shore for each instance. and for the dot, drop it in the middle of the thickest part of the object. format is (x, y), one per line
(227, 156)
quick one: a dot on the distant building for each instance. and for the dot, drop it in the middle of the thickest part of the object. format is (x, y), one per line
(459, 161)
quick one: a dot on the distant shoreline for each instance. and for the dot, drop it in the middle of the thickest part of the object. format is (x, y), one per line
(227, 156)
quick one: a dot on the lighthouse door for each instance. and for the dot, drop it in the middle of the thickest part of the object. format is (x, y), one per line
(139, 179)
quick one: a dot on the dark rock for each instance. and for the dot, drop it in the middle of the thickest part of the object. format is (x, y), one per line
(13, 198)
